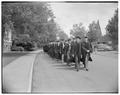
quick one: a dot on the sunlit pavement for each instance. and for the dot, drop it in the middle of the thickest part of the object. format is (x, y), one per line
(50, 75)
(18, 74)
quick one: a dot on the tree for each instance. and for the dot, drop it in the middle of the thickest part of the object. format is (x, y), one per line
(78, 30)
(34, 19)
(105, 38)
(112, 28)
(52, 30)
(94, 34)
(62, 35)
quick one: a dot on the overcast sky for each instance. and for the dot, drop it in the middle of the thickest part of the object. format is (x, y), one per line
(68, 14)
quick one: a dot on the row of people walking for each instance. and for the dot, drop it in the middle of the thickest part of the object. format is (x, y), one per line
(72, 50)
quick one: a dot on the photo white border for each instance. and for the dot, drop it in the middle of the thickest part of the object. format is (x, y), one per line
(63, 1)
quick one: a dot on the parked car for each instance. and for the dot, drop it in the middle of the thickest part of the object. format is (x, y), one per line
(104, 47)
(17, 48)
(22, 45)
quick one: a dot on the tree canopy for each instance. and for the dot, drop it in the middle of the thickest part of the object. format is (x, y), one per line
(78, 30)
(112, 28)
(32, 18)
(94, 34)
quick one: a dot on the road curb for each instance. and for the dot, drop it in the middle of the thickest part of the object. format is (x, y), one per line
(31, 74)
(31, 70)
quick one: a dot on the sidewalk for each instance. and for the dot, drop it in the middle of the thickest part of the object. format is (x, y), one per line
(112, 54)
(17, 76)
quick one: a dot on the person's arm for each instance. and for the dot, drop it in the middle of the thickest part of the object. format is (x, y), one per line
(91, 49)
(82, 46)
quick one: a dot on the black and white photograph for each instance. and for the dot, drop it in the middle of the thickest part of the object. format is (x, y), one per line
(59, 47)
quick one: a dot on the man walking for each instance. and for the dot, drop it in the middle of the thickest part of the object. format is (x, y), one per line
(77, 52)
(62, 45)
(86, 49)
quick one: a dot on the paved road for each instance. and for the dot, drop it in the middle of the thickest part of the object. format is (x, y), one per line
(52, 76)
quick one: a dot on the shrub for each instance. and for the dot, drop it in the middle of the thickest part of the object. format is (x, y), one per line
(29, 46)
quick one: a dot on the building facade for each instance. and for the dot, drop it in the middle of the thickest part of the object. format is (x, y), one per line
(7, 38)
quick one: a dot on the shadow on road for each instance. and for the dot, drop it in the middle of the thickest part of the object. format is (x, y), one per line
(64, 66)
